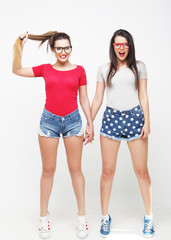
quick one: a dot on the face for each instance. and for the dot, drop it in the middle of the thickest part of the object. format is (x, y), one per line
(121, 48)
(62, 50)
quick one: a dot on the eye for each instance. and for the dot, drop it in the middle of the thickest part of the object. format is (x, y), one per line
(67, 48)
(117, 45)
(126, 45)
(58, 48)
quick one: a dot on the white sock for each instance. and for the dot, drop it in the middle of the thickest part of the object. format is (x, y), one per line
(105, 217)
(150, 217)
(81, 218)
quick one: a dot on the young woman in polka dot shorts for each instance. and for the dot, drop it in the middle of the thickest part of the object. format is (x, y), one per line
(126, 117)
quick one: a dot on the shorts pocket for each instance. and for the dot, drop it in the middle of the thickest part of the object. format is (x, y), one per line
(47, 116)
(138, 114)
(75, 117)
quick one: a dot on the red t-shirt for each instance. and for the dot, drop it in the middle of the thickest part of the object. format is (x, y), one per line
(61, 87)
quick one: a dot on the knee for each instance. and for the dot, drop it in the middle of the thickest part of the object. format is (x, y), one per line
(48, 171)
(142, 173)
(75, 170)
(107, 173)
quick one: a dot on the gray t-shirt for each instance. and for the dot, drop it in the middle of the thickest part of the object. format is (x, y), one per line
(122, 95)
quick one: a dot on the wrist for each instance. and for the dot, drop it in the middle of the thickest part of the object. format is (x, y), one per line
(147, 122)
(90, 123)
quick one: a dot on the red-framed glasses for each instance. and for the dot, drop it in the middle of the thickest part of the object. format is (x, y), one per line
(118, 45)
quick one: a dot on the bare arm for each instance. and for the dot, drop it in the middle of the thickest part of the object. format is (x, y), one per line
(17, 67)
(143, 98)
(84, 102)
(98, 99)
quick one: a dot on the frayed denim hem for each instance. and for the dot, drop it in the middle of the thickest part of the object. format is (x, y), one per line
(133, 138)
(114, 138)
(119, 139)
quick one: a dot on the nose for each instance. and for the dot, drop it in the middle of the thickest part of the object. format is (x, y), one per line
(121, 47)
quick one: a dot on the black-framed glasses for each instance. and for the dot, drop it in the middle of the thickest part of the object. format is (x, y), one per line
(66, 49)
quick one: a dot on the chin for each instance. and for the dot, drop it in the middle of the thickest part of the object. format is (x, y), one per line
(122, 59)
(62, 60)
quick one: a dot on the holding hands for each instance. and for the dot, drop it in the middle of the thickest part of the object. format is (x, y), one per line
(89, 133)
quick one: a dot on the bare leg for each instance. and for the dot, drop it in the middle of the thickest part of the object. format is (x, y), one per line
(74, 146)
(48, 148)
(139, 151)
(109, 151)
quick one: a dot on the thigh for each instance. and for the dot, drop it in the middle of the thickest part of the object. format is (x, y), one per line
(48, 149)
(109, 152)
(139, 151)
(73, 147)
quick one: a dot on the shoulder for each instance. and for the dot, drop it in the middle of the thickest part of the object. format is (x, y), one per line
(140, 65)
(80, 69)
(103, 66)
(42, 66)
(142, 71)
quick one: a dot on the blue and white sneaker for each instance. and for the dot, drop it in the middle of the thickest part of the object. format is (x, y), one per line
(105, 227)
(148, 230)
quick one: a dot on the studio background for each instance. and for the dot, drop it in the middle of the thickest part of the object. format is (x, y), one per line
(90, 25)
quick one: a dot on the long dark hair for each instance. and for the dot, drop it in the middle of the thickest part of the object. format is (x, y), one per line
(50, 36)
(131, 61)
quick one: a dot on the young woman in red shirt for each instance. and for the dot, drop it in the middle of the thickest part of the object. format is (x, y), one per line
(60, 117)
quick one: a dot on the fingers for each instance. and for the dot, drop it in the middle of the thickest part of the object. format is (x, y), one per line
(24, 37)
(87, 139)
(145, 134)
(142, 132)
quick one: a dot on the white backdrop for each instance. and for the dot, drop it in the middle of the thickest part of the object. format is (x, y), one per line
(90, 25)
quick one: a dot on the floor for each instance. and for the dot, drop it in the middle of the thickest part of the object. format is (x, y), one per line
(127, 224)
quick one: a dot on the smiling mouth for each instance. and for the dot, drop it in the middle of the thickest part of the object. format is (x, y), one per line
(63, 56)
(121, 54)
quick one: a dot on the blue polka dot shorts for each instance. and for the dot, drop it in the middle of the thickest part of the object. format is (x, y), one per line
(126, 125)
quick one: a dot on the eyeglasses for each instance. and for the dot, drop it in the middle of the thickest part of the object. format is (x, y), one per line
(118, 45)
(67, 49)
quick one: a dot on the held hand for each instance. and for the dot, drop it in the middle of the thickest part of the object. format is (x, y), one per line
(89, 134)
(145, 131)
(24, 37)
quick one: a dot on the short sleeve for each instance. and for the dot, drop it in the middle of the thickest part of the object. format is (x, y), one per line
(100, 77)
(142, 71)
(38, 70)
(83, 78)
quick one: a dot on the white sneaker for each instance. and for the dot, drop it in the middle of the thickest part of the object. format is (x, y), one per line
(44, 227)
(82, 227)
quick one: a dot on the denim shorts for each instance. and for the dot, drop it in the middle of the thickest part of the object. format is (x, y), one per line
(126, 125)
(55, 126)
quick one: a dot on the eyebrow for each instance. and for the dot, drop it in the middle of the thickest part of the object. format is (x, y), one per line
(62, 47)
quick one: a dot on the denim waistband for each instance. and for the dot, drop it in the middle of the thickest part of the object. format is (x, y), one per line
(57, 116)
(112, 110)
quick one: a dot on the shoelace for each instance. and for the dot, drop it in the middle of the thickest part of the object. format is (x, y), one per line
(105, 225)
(147, 225)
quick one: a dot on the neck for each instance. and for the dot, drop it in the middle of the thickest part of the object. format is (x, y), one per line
(62, 64)
(121, 63)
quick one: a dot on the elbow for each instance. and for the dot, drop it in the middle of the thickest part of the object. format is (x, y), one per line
(14, 70)
(83, 100)
(143, 98)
